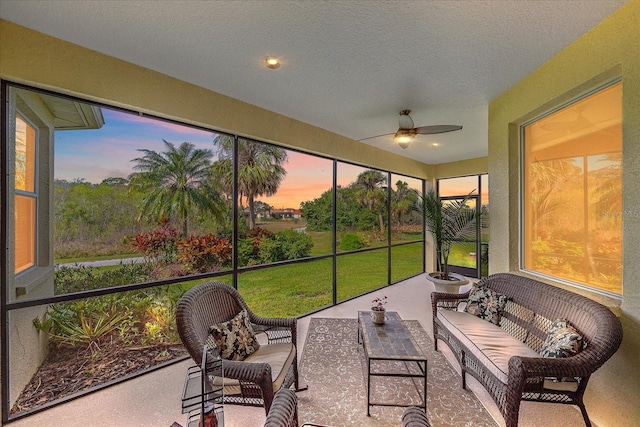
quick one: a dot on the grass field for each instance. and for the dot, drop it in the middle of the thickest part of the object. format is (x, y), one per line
(297, 289)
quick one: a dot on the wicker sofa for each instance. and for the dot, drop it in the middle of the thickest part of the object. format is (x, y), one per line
(505, 359)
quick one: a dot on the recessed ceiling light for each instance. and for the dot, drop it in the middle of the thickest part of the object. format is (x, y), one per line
(272, 62)
(435, 144)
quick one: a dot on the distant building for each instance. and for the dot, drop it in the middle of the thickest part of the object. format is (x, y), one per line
(286, 213)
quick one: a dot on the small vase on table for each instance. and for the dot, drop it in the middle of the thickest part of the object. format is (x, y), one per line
(378, 310)
(377, 316)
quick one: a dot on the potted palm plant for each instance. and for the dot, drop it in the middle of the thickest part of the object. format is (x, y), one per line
(448, 223)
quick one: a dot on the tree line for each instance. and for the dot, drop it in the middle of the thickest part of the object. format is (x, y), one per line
(192, 188)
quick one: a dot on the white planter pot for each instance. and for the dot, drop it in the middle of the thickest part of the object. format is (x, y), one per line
(377, 317)
(448, 286)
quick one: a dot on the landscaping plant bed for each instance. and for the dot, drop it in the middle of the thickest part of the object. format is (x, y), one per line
(70, 370)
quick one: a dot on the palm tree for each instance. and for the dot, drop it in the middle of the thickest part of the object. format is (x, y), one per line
(402, 201)
(260, 170)
(176, 183)
(448, 222)
(371, 191)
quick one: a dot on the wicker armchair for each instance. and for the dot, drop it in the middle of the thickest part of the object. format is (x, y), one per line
(415, 417)
(253, 381)
(284, 413)
(284, 410)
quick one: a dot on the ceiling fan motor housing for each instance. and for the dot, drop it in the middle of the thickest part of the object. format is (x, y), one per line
(406, 122)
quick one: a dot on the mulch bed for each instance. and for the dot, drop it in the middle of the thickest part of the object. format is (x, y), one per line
(70, 370)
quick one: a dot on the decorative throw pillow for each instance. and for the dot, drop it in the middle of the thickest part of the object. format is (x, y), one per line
(486, 303)
(235, 339)
(562, 340)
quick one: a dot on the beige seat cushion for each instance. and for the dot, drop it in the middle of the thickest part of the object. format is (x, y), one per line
(488, 342)
(279, 356)
(493, 346)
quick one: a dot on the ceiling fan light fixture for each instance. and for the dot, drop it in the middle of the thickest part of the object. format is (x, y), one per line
(403, 137)
(403, 143)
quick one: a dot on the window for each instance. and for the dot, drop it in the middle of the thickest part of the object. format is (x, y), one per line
(25, 195)
(135, 210)
(572, 188)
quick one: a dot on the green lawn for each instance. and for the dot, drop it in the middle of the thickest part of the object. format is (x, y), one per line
(460, 255)
(297, 289)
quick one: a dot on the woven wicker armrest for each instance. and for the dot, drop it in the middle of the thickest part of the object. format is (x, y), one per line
(284, 410)
(256, 372)
(415, 417)
(446, 301)
(284, 322)
(530, 367)
(277, 329)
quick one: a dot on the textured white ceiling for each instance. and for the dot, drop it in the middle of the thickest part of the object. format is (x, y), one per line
(348, 66)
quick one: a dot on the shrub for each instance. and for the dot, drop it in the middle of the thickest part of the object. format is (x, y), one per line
(350, 242)
(204, 253)
(160, 325)
(158, 246)
(249, 246)
(284, 245)
(247, 254)
(69, 279)
(294, 244)
(269, 250)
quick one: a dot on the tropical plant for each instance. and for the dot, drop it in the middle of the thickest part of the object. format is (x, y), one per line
(448, 222)
(402, 199)
(204, 253)
(176, 183)
(82, 322)
(260, 170)
(371, 191)
(158, 246)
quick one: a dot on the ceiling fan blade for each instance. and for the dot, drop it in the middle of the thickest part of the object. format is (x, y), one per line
(371, 137)
(430, 130)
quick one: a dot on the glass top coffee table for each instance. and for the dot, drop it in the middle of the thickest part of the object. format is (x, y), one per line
(391, 341)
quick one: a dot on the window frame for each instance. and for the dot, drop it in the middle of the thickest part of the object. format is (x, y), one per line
(27, 194)
(43, 271)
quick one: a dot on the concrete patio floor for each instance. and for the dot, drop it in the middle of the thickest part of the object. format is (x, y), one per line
(154, 399)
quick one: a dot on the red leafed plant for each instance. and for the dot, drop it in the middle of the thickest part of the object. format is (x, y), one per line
(204, 253)
(158, 246)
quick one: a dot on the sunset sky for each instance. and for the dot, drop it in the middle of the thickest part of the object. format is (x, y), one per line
(94, 155)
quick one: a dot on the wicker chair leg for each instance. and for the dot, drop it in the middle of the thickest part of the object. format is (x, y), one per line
(299, 386)
(511, 412)
(585, 416)
(463, 370)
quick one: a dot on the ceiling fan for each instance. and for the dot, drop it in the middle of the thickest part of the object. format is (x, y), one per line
(407, 131)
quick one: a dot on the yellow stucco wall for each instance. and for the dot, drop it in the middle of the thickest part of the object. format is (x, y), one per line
(461, 168)
(33, 58)
(610, 49)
